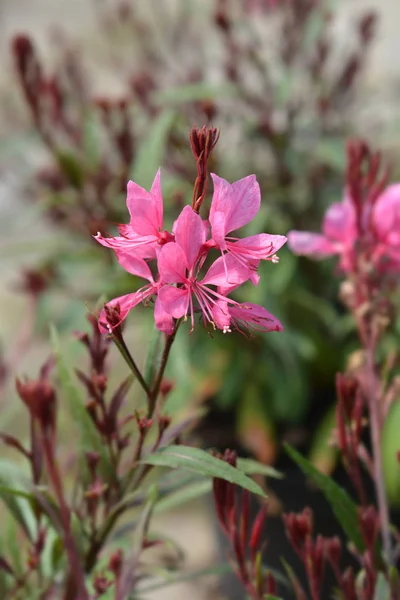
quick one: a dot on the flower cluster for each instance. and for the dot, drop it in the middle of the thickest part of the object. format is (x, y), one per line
(364, 226)
(172, 262)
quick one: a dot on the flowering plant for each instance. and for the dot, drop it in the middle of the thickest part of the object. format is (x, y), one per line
(115, 461)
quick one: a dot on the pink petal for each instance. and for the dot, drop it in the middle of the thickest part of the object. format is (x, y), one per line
(172, 263)
(339, 223)
(164, 321)
(226, 271)
(174, 301)
(240, 201)
(219, 229)
(145, 208)
(259, 246)
(255, 317)
(126, 303)
(310, 244)
(156, 194)
(135, 266)
(190, 234)
(386, 212)
(221, 314)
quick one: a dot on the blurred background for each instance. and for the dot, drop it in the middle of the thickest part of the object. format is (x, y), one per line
(94, 93)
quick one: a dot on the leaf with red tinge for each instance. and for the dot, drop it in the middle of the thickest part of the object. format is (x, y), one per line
(200, 461)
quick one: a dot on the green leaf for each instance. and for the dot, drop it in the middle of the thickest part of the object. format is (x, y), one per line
(382, 590)
(89, 437)
(390, 448)
(71, 167)
(91, 143)
(199, 461)
(151, 153)
(194, 92)
(331, 152)
(185, 494)
(253, 467)
(343, 507)
(15, 498)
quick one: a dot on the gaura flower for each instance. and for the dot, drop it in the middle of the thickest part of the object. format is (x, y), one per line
(244, 317)
(232, 207)
(386, 223)
(138, 267)
(339, 234)
(144, 233)
(179, 263)
(175, 281)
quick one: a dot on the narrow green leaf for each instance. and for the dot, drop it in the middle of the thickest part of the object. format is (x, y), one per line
(152, 150)
(91, 143)
(71, 167)
(253, 467)
(89, 437)
(382, 590)
(200, 461)
(183, 495)
(14, 498)
(342, 505)
(390, 448)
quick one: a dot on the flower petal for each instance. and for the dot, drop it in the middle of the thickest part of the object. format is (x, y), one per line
(135, 266)
(255, 317)
(174, 301)
(340, 223)
(240, 202)
(190, 234)
(259, 246)
(145, 208)
(227, 271)
(164, 321)
(386, 213)
(221, 314)
(126, 303)
(172, 263)
(311, 244)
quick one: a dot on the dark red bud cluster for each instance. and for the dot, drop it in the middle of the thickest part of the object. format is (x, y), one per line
(233, 511)
(350, 422)
(39, 396)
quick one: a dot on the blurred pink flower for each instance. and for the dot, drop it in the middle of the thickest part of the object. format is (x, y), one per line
(145, 233)
(339, 234)
(386, 222)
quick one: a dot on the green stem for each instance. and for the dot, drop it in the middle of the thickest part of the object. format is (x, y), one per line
(157, 383)
(122, 347)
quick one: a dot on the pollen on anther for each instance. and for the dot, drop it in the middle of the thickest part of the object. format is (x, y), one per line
(275, 259)
(226, 329)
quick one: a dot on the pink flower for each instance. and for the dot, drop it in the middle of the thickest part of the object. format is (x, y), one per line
(138, 267)
(244, 317)
(339, 234)
(179, 263)
(386, 222)
(144, 234)
(232, 207)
